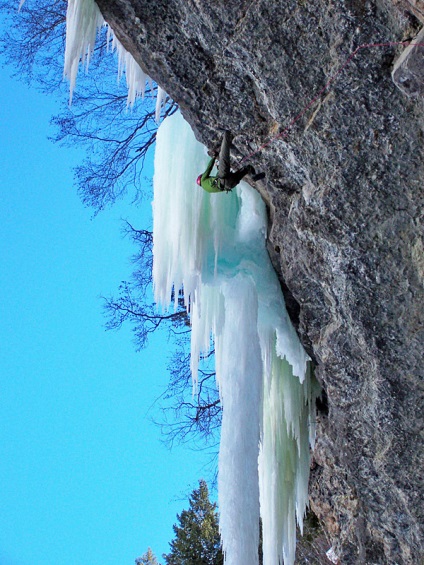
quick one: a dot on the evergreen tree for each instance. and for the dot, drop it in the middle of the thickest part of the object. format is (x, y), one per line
(197, 540)
(147, 558)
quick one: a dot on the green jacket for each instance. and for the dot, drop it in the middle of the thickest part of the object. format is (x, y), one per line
(208, 183)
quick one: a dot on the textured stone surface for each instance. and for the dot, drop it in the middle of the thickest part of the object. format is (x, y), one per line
(408, 71)
(345, 197)
(415, 7)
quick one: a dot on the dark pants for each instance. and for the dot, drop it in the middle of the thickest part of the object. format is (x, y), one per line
(229, 180)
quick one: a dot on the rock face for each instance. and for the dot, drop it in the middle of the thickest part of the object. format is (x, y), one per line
(408, 71)
(345, 195)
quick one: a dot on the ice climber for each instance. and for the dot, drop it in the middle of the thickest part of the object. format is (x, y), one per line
(225, 180)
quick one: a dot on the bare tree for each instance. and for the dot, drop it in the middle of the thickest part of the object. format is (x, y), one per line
(116, 139)
(187, 413)
(33, 41)
(134, 303)
(193, 413)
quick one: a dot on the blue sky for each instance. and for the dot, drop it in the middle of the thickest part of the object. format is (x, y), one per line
(84, 478)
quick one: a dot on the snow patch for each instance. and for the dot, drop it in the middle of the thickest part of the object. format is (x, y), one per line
(331, 556)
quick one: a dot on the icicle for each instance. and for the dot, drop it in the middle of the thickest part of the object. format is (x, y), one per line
(240, 384)
(83, 19)
(160, 102)
(284, 455)
(136, 78)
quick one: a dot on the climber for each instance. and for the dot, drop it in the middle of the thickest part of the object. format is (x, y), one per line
(225, 180)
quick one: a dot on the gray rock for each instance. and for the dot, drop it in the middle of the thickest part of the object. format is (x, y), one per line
(408, 71)
(344, 190)
(415, 7)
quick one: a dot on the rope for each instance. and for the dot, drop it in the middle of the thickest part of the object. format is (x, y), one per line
(326, 87)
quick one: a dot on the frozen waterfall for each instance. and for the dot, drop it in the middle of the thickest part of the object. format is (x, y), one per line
(213, 247)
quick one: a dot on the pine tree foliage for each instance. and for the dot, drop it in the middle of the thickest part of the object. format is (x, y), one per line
(197, 540)
(147, 558)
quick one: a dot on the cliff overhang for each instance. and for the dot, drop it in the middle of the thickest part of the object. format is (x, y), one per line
(344, 189)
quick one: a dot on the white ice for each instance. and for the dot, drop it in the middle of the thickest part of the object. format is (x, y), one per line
(160, 103)
(136, 78)
(83, 21)
(213, 247)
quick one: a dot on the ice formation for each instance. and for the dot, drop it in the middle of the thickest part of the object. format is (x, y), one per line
(83, 21)
(160, 102)
(213, 247)
(135, 76)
